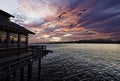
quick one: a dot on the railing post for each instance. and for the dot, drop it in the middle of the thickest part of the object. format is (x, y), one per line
(19, 64)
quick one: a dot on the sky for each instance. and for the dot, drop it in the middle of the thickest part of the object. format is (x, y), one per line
(66, 20)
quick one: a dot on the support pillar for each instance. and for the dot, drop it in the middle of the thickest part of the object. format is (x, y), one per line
(14, 76)
(8, 39)
(39, 69)
(26, 41)
(22, 74)
(29, 78)
(19, 39)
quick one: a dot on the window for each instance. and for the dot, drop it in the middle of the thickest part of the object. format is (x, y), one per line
(14, 40)
(23, 41)
(3, 39)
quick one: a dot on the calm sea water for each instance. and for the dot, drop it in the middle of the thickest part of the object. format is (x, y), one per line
(82, 62)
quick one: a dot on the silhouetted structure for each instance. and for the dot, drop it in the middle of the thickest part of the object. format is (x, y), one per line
(15, 54)
(13, 37)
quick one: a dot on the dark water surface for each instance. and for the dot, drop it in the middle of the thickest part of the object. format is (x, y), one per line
(82, 62)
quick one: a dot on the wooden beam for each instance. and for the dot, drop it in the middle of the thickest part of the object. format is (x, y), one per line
(27, 41)
(19, 39)
(39, 69)
(29, 78)
(8, 39)
(22, 74)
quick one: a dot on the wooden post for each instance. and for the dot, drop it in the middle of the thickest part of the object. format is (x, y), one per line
(42, 48)
(22, 74)
(39, 69)
(29, 78)
(26, 41)
(14, 76)
(39, 62)
(19, 39)
(2, 79)
(8, 39)
(8, 78)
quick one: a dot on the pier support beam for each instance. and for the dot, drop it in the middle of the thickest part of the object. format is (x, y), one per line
(39, 69)
(7, 78)
(15, 69)
(14, 76)
(22, 74)
(29, 78)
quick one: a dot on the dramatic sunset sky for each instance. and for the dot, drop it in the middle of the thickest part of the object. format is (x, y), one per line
(64, 20)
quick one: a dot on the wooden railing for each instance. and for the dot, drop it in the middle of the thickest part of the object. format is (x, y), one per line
(8, 68)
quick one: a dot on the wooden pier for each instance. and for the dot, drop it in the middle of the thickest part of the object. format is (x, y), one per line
(9, 67)
(16, 57)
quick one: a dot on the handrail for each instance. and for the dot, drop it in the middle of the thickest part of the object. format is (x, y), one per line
(11, 66)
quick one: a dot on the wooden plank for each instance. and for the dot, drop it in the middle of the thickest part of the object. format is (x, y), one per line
(18, 64)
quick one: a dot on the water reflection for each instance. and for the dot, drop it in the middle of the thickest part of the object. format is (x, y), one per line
(82, 62)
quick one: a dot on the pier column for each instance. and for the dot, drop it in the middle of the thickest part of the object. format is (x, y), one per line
(19, 41)
(14, 76)
(8, 78)
(8, 39)
(39, 69)
(2, 79)
(26, 41)
(29, 78)
(22, 74)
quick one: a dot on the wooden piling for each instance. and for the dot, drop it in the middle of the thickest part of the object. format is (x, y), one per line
(29, 78)
(7, 78)
(14, 76)
(9, 69)
(22, 74)
(39, 69)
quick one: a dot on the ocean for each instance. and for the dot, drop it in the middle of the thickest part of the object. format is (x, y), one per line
(81, 62)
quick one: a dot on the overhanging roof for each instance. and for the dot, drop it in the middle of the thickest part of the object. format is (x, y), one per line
(5, 14)
(8, 25)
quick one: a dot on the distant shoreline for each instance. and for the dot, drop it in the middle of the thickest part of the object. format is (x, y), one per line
(96, 41)
(74, 43)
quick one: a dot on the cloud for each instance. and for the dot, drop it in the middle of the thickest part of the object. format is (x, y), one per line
(101, 20)
(67, 35)
(57, 39)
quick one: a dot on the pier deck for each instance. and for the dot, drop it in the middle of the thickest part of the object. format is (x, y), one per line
(10, 65)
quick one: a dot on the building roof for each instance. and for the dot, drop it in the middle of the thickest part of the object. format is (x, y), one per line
(5, 14)
(6, 24)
